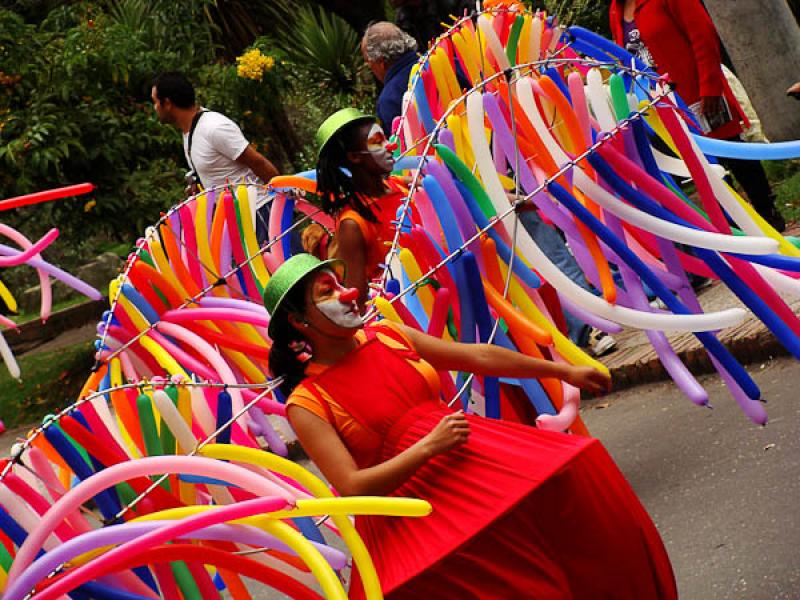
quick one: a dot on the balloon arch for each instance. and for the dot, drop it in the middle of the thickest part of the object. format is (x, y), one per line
(167, 438)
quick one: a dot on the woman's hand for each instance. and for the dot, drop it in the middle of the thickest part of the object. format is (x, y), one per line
(589, 379)
(449, 433)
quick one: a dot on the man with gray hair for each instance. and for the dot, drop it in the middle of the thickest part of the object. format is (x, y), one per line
(390, 53)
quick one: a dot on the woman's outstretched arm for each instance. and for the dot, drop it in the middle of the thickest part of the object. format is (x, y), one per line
(324, 446)
(485, 359)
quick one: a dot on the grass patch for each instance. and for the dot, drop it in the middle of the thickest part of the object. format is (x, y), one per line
(50, 381)
(784, 175)
(24, 317)
(787, 197)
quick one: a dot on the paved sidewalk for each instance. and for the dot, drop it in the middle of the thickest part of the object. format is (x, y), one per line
(635, 361)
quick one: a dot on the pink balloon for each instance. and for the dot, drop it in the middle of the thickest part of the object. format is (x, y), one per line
(44, 281)
(214, 314)
(154, 465)
(105, 563)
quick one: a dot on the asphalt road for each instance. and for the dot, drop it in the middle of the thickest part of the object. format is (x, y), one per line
(724, 493)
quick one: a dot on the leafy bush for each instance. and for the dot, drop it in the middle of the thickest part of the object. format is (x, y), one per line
(591, 14)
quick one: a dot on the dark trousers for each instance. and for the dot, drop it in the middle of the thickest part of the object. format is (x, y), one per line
(751, 176)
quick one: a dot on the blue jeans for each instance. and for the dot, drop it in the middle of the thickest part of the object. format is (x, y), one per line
(552, 244)
(262, 227)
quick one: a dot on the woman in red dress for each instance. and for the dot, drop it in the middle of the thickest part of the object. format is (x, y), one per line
(354, 186)
(517, 512)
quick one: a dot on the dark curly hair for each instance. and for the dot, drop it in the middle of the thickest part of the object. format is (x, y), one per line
(334, 187)
(287, 342)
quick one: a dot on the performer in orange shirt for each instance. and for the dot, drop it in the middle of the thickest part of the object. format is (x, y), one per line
(353, 183)
(517, 512)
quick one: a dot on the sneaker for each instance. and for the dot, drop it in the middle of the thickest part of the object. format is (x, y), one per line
(701, 283)
(601, 343)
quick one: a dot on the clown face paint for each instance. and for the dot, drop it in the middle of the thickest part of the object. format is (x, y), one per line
(335, 302)
(343, 315)
(378, 147)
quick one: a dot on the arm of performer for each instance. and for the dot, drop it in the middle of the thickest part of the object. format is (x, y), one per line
(324, 446)
(258, 164)
(486, 359)
(351, 248)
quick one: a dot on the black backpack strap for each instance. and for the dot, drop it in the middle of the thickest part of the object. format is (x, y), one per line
(195, 120)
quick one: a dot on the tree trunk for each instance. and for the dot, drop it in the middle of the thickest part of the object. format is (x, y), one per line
(763, 40)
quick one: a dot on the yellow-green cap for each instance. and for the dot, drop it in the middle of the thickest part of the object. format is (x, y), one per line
(289, 274)
(336, 121)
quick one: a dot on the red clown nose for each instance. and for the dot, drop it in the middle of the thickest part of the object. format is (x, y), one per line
(348, 296)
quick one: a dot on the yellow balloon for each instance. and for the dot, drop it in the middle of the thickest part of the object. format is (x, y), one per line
(470, 63)
(162, 357)
(257, 265)
(119, 396)
(10, 301)
(562, 343)
(273, 462)
(415, 274)
(437, 67)
(387, 310)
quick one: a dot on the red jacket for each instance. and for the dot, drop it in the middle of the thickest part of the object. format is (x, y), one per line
(684, 43)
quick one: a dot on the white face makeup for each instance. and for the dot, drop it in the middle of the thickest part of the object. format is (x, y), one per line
(377, 147)
(327, 295)
(376, 140)
(343, 315)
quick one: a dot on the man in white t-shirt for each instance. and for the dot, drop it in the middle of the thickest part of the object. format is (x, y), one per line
(215, 148)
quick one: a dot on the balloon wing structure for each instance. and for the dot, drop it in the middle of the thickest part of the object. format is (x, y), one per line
(544, 166)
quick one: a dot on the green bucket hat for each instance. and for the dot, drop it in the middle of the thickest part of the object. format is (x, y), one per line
(335, 122)
(289, 274)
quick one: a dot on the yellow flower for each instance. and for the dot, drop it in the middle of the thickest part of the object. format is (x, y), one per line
(252, 64)
(89, 205)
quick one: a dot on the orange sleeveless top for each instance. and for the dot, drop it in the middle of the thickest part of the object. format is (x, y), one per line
(354, 435)
(378, 236)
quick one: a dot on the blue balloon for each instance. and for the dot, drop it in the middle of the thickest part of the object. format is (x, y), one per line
(413, 303)
(105, 502)
(483, 320)
(309, 530)
(764, 312)
(521, 270)
(468, 325)
(224, 415)
(748, 150)
(711, 343)
(423, 108)
(286, 222)
(142, 305)
(445, 213)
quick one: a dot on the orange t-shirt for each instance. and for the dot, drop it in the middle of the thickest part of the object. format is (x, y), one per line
(356, 438)
(378, 236)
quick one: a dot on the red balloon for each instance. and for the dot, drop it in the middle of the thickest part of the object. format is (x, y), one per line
(47, 195)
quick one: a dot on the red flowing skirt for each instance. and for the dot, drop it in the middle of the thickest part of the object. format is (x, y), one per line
(517, 513)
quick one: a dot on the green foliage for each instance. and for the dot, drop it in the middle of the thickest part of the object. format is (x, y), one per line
(75, 102)
(784, 175)
(74, 106)
(50, 380)
(322, 45)
(326, 70)
(591, 14)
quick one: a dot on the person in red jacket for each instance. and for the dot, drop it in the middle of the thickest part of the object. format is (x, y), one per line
(678, 38)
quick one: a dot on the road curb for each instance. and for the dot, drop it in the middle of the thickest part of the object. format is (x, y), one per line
(35, 333)
(762, 345)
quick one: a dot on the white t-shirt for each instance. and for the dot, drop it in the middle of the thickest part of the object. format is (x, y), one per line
(216, 144)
